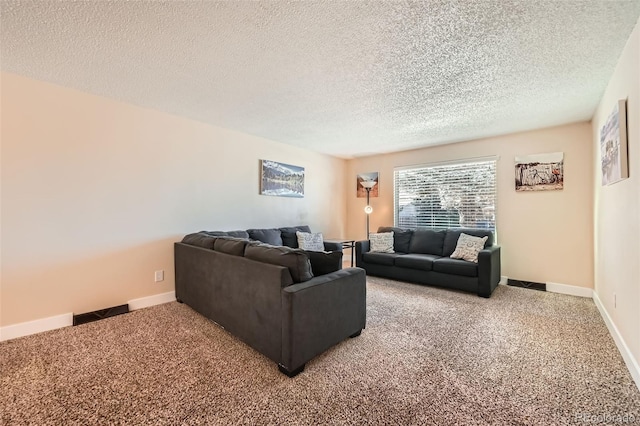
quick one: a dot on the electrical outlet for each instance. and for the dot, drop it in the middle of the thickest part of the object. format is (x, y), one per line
(159, 276)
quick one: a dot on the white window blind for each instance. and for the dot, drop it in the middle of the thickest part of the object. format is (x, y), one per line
(446, 195)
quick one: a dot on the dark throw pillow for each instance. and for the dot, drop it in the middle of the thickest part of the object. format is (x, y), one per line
(323, 263)
(401, 238)
(289, 237)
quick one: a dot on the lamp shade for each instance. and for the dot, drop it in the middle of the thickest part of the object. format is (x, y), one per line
(368, 184)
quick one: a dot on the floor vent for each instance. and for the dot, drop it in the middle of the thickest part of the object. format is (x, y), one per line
(101, 314)
(527, 284)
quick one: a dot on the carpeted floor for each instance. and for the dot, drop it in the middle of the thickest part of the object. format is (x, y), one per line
(427, 357)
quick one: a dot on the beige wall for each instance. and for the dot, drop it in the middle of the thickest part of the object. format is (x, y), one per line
(617, 206)
(545, 236)
(95, 192)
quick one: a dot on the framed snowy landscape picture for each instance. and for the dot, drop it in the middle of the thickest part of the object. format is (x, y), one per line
(613, 145)
(281, 180)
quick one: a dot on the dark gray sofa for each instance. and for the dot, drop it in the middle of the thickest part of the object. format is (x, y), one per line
(422, 256)
(268, 296)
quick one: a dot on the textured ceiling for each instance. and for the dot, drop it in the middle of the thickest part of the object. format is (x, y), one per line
(346, 78)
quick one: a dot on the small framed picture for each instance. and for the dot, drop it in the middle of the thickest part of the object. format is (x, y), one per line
(281, 180)
(367, 177)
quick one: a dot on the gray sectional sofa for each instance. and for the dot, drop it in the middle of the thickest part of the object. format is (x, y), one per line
(286, 303)
(422, 256)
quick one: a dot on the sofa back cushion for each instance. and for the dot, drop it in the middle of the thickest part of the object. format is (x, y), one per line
(451, 239)
(230, 245)
(427, 241)
(294, 259)
(199, 239)
(289, 237)
(235, 234)
(401, 238)
(269, 236)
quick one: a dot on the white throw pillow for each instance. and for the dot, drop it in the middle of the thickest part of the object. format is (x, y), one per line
(468, 247)
(381, 242)
(309, 241)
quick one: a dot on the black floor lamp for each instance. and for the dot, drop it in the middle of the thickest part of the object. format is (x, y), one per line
(368, 186)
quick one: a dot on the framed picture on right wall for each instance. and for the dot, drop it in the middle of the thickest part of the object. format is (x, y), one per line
(613, 145)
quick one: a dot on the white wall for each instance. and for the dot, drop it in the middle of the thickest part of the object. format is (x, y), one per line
(545, 236)
(95, 192)
(617, 207)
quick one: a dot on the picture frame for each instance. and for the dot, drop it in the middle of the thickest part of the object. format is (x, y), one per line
(363, 177)
(281, 180)
(539, 172)
(614, 161)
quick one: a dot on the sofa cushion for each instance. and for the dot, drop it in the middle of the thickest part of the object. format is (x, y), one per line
(447, 265)
(270, 236)
(323, 263)
(427, 241)
(199, 239)
(381, 243)
(289, 237)
(230, 245)
(310, 241)
(380, 258)
(239, 234)
(235, 234)
(422, 262)
(295, 260)
(452, 235)
(401, 238)
(468, 247)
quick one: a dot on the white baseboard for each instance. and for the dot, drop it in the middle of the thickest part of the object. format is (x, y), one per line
(65, 320)
(156, 299)
(503, 280)
(570, 290)
(36, 326)
(629, 360)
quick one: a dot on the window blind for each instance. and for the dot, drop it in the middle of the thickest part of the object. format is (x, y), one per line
(446, 195)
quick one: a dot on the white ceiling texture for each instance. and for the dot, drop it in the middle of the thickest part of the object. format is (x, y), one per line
(346, 78)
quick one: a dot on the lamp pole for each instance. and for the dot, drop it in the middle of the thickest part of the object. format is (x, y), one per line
(368, 185)
(368, 212)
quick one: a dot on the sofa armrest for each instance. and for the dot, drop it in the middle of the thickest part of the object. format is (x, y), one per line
(488, 270)
(330, 246)
(361, 247)
(320, 313)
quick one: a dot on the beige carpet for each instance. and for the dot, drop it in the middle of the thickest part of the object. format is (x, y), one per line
(427, 357)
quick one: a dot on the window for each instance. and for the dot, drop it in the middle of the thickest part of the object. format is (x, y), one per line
(461, 194)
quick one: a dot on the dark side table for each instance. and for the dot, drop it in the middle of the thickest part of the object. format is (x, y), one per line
(346, 244)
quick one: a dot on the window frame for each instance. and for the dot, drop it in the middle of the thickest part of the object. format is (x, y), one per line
(438, 222)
